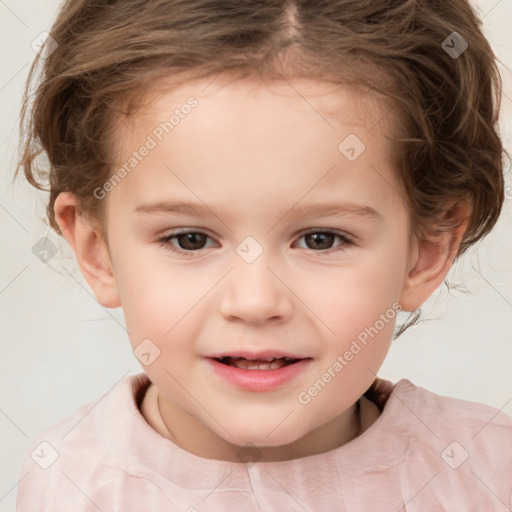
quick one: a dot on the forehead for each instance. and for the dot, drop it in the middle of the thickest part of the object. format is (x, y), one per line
(243, 135)
(323, 101)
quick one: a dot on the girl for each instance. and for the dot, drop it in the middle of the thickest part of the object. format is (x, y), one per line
(262, 187)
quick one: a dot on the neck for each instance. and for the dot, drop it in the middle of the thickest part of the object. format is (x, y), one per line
(194, 437)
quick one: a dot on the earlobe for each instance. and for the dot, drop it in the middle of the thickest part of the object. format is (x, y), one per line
(433, 259)
(90, 249)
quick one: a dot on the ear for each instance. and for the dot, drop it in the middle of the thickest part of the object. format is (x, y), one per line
(433, 257)
(90, 249)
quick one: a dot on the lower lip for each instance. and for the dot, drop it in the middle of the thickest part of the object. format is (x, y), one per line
(258, 380)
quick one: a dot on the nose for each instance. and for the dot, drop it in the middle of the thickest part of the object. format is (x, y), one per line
(255, 294)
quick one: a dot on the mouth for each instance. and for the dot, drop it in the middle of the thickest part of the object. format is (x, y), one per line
(267, 363)
(258, 372)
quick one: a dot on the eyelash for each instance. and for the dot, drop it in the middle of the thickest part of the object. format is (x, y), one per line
(165, 242)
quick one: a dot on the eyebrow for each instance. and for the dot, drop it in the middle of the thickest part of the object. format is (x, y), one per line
(365, 212)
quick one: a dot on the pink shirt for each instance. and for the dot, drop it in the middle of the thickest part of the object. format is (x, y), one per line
(424, 453)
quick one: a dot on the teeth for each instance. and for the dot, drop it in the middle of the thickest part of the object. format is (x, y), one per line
(270, 363)
(263, 364)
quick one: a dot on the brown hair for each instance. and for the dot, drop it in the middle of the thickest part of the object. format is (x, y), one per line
(445, 95)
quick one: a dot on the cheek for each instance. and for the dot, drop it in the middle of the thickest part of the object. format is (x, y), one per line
(349, 298)
(364, 329)
(156, 301)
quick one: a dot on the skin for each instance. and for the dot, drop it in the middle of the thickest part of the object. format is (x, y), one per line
(253, 152)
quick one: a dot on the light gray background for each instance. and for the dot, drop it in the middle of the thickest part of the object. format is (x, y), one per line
(60, 349)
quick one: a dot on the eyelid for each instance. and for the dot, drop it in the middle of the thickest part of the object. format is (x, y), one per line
(333, 231)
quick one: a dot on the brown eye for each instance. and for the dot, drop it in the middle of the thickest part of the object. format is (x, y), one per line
(191, 241)
(325, 242)
(320, 241)
(185, 243)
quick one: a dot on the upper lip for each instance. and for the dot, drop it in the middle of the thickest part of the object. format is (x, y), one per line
(265, 354)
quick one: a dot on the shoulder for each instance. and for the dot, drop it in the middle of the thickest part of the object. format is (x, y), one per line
(70, 451)
(464, 446)
(445, 415)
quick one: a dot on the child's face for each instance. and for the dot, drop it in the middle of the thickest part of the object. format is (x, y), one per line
(250, 158)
